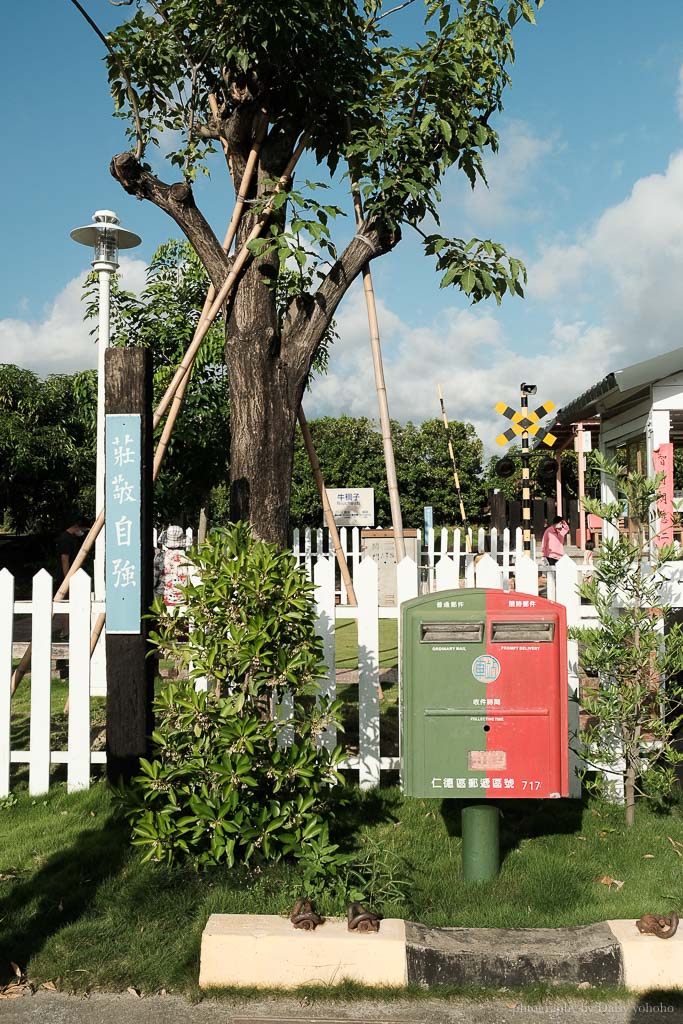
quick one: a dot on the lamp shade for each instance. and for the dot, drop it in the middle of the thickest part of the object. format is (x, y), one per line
(105, 236)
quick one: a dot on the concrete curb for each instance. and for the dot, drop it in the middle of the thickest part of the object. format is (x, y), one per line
(241, 950)
(512, 957)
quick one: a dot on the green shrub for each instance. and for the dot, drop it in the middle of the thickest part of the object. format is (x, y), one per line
(231, 779)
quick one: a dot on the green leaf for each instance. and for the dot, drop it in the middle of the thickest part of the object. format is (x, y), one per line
(467, 281)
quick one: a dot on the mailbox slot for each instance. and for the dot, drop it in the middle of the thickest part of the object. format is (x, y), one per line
(522, 632)
(451, 632)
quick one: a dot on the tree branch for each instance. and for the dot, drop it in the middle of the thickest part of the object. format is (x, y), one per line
(309, 316)
(178, 202)
(393, 10)
(132, 96)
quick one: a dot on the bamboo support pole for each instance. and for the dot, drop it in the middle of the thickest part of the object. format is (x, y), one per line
(385, 422)
(327, 510)
(456, 478)
(308, 440)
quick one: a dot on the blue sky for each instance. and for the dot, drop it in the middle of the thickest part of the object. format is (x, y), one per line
(587, 189)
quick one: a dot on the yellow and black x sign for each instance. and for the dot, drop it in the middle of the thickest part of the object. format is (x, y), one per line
(528, 422)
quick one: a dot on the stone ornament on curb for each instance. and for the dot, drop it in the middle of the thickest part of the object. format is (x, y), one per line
(303, 916)
(361, 920)
(653, 924)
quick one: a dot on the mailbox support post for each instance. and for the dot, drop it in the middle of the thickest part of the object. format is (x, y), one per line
(480, 842)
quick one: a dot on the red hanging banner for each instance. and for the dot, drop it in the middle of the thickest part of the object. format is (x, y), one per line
(663, 461)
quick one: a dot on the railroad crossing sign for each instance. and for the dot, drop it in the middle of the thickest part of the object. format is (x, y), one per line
(526, 421)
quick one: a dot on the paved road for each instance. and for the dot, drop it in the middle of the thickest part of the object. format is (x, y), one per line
(54, 1008)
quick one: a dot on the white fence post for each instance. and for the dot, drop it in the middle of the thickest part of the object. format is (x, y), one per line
(526, 574)
(430, 556)
(41, 652)
(567, 578)
(446, 574)
(457, 553)
(344, 545)
(78, 770)
(506, 555)
(6, 623)
(323, 575)
(488, 573)
(368, 673)
(355, 553)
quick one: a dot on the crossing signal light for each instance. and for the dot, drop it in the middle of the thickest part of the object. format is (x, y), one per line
(548, 469)
(505, 467)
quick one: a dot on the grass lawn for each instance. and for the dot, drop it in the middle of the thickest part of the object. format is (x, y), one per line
(76, 903)
(59, 724)
(346, 639)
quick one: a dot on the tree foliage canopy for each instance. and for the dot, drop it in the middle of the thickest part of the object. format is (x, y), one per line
(262, 83)
(47, 448)
(350, 454)
(396, 116)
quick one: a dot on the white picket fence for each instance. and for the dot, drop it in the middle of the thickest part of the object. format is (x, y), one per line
(504, 547)
(519, 577)
(40, 756)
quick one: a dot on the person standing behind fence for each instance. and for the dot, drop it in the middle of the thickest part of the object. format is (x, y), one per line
(552, 545)
(69, 544)
(171, 567)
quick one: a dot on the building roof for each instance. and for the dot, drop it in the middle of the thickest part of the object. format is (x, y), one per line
(606, 393)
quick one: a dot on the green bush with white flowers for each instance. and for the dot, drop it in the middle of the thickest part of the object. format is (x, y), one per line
(232, 778)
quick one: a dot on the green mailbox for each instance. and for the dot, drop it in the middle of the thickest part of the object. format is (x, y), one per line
(484, 698)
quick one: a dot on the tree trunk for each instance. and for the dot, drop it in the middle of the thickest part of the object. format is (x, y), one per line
(630, 795)
(263, 413)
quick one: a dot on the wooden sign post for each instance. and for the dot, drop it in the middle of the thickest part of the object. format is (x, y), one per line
(128, 557)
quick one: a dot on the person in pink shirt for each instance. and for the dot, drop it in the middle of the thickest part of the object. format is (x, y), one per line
(552, 545)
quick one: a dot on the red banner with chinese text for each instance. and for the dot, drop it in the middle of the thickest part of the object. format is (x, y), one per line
(663, 461)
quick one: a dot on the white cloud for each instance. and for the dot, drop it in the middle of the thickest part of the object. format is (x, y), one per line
(464, 351)
(60, 342)
(511, 192)
(629, 265)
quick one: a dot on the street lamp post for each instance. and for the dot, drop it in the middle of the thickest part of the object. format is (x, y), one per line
(105, 237)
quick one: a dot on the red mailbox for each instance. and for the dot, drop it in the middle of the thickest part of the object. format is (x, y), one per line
(484, 696)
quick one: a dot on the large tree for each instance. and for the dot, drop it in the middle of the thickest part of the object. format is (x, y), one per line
(215, 74)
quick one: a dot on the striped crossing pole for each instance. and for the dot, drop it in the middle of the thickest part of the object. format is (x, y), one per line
(526, 485)
(525, 423)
